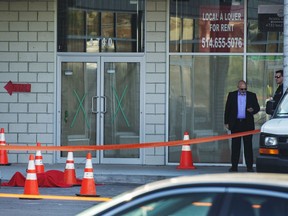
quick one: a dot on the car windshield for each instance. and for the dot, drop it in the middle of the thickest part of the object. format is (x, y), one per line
(282, 109)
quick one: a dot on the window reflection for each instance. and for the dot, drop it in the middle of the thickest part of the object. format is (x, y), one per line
(267, 40)
(181, 34)
(200, 204)
(108, 26)
(260, 79)
(199, 84)
(214, 26)
(93, 24)
(185, 27)
(198, 89)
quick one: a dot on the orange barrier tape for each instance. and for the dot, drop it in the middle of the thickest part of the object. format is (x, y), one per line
(16, 147)
(53, 197)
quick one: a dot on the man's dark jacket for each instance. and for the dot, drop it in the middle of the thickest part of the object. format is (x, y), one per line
(278, 94)
(231, 110)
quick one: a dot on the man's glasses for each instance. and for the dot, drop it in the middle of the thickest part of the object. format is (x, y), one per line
(277, 77)
(243, 89)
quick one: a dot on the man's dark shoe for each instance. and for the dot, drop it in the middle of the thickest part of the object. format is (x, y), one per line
(233, 170)
(250, 170)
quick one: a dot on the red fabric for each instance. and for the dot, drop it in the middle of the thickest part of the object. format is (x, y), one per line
(51, 178)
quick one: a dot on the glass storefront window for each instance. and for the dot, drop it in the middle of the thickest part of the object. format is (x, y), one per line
(197, 95)
(215, 26)
(218, 26)
(260, 79)
(198, 89)
(101, 26)
(265, 26)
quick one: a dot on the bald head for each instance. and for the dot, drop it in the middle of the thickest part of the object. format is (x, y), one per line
(241, 83)
(242, 87)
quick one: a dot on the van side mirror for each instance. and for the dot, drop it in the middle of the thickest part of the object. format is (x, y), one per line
(270, 107)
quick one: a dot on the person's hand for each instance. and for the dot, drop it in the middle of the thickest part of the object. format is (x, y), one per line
(226, 126)
(250, 109)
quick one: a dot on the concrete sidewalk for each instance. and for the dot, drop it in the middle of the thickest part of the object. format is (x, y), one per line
(138, 174)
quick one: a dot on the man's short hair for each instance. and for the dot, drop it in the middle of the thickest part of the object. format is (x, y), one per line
(280, 71)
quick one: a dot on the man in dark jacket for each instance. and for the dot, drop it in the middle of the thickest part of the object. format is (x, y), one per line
(279, 91)
(240, 107)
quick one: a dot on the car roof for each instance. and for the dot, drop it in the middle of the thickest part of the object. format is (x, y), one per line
(224, 179)
(259, 179)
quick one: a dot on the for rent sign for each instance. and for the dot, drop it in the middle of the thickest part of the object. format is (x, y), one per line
(221, 29)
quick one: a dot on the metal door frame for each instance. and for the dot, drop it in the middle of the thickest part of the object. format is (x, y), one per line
(100, 60)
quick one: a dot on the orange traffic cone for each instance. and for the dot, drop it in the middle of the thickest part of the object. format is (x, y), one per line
(38, 161)
(31, 183)
(88, 187)
(186, 161)
(69, 173)
(3, 153)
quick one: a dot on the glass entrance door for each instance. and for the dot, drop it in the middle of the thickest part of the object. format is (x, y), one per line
(99, 103)
(121, 116)
(77, 79)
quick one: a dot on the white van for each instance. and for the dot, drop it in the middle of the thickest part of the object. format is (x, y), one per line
(273, 146)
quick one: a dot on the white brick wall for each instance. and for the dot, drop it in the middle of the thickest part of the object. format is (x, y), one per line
(27, 56)
(155, 80)
(27, 46)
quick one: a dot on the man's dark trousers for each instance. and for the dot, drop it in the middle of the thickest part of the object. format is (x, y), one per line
(236, 146)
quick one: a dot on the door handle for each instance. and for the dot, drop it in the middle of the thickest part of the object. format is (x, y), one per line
(93, 99)
(104, 102)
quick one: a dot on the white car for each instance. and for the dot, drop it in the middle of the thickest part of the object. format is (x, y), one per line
(245, 194)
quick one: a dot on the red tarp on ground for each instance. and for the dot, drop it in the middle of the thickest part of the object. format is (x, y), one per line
(51, 178)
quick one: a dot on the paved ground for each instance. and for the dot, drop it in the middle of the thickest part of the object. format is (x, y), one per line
(51, 207)
(137, 174)
(111, 180)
